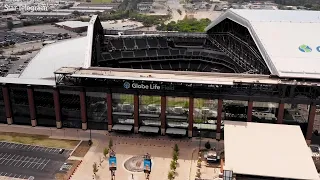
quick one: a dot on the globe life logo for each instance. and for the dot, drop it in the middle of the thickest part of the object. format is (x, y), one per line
(127, 85)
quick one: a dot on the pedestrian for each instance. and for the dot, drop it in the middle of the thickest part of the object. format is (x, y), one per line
(132, 176)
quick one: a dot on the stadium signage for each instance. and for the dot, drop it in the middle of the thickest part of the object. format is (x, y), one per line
(151, 86)
(307, 49)
(127, 85)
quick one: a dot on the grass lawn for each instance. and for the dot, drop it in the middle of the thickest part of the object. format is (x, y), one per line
(39, 140)
(101, 1)
(171, 102)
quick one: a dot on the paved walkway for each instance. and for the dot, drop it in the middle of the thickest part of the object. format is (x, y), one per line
(125, 146)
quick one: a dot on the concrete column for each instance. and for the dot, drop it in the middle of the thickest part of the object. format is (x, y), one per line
(219, 118)
(280, 113)
(190, 127)
(249, 111)
(57, 107)
(7, 104)
(32, 107)
(83, 109)
(136, 113)
(109, 110)
(312, 114)
(163, 114)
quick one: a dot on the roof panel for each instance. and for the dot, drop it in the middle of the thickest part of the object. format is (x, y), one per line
(69, 53)
(278, 35)
(270, 150)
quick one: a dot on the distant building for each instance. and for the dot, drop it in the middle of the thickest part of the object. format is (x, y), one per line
(8, 11)
(46, 15)
(75, 26)
(85, 12)
(144, 6)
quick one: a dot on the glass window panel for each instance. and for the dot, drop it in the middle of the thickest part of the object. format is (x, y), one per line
(177, 112)
(123, 108)
(20, 106)
(70, 109)
(205, 117)
(44, 105)
(3, 117)
(150, 110)
(264, 112)
(97, 110)
(297, 114)
(234, 110)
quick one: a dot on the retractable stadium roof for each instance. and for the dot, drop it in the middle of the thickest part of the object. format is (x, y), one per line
(288, 40)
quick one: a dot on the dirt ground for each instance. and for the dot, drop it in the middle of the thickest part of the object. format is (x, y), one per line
(82, 149)
(39, 140)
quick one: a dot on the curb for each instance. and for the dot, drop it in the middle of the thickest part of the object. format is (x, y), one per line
(75, 148)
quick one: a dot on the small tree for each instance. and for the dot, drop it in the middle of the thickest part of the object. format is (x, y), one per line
(176, 148)
(105, 152)
(175, 156)
(110, 143)
(95, 168)
(170, 175)
(173, 165)
(207, 145)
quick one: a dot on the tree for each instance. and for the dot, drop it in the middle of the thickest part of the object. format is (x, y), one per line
(10, 25)
(95, 168)
(170, 175)
(207, 145)
(173, 165)
(176, 148)
(175, 156)
(76, 13)
(105, 152)
(110, 143)
(179, 11)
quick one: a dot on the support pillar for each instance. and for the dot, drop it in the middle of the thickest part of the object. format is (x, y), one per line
(280, 113)
(7, 104)
(312, 114)
(163, 114)
(109, 110)
(57, 107)
(219, 119)
(32, 106)
(83, 109)
(136, 113)
(190, 127)
(249, 113)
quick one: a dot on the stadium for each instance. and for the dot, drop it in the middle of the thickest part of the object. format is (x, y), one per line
(249, 65)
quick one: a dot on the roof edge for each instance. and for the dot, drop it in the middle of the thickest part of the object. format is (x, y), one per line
(229, 14)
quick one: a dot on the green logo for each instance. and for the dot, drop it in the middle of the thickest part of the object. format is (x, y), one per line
(305, 48)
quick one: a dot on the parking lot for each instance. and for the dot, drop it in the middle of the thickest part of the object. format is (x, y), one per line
(19, 161)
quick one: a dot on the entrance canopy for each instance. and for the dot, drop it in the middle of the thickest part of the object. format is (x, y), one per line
(267, 150)
(148, 129)
(176, 131)
(122, 127)
(287, 40)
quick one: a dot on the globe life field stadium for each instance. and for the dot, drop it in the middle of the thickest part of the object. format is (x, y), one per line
(249, 65)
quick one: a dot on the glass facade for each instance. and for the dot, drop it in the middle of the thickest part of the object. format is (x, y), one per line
(44, 104)
(264, 112)
(123, 108)
(70, 109)
(20, 106)
(205, 118)
(234, 110)
(296, 114)
(97, 110)
(177, 112)
(3, 117)
(150, 110)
